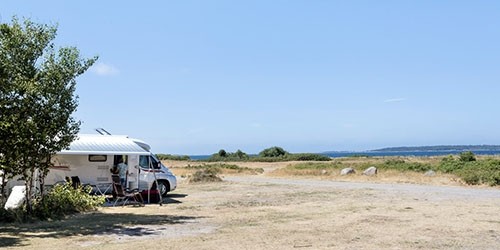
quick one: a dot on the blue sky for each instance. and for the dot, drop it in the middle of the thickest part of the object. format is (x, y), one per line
(193, 77)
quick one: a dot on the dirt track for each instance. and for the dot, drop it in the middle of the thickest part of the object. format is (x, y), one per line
(259, 212)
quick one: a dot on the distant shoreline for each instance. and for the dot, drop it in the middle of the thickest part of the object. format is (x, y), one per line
(422, 152)
(417, 153)
(477, 148)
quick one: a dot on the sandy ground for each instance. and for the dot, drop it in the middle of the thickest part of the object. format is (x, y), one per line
(265, 212)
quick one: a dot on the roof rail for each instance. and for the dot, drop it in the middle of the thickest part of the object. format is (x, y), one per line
(102, 131)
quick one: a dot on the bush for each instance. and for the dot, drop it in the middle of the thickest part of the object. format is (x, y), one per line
(7, 215)
(64, 199)
(480, 172)
(315, 166)
(402, 165)
(273, 152)
(467, 156)
(206, 175)
(307, 157)
(222, 155)
(449, 164)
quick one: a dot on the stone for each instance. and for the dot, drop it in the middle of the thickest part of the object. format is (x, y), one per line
(16, 198)
(430, 173)
(370, 171)
(347, 171)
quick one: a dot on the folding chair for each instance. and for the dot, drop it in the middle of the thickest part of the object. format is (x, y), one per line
(74, 180)
(115, 178)
(122, 195)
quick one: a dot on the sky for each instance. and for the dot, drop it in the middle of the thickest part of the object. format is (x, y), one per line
(192, 77)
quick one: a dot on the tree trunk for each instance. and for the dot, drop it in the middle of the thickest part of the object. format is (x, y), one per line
(29, 189)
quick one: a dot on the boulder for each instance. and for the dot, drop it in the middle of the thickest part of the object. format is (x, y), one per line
(370, 171)
(430, 173)
(347, 171)
(16, 198)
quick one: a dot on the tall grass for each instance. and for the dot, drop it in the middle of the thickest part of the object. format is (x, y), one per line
(226, 168)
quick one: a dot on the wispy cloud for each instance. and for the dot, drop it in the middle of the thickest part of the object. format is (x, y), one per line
(395, 100)
(103, 69)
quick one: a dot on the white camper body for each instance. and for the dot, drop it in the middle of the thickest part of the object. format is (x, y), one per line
(91, 158)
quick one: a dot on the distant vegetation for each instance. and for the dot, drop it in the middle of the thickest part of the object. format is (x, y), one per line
(226, 168)
(465, 166)
(442, 148)
(222, 155)
(162, 157)
(272, 154)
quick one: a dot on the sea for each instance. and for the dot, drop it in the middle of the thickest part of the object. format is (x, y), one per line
(337, 154)
(408, 153)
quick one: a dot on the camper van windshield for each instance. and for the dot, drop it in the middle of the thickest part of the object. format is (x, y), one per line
(156, 163)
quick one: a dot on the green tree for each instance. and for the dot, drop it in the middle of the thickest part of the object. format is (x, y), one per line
(36, 99)
(240, 154)
(273, 152)
(467, 156)
(222, 153)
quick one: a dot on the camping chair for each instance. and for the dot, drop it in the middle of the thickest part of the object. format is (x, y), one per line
(115, 178)
(74, 180)
(122, 195)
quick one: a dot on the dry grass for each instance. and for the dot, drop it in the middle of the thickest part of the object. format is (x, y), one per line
(280, 215)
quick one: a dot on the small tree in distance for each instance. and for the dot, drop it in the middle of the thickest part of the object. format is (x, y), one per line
(222, 153)
(467, 156)
(273, 152)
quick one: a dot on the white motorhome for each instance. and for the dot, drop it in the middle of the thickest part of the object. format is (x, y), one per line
(91, 158)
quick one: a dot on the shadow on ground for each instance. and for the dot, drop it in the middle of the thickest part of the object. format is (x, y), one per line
(88, 224)
(170, 198)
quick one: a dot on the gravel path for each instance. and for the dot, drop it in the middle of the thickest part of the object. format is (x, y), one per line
(423, 191)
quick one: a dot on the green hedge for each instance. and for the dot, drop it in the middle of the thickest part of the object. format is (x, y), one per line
(173, 157)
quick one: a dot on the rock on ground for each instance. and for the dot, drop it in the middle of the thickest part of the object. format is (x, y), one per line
(347, 171)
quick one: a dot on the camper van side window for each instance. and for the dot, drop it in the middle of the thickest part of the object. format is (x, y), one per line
(98, 158)
(144, 161)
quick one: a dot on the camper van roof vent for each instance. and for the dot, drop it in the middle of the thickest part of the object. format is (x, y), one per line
(141, 144)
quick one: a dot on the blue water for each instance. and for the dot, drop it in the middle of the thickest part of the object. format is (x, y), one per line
(387, 153)
(407, 153)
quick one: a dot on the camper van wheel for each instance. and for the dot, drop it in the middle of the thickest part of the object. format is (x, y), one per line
(163, 187)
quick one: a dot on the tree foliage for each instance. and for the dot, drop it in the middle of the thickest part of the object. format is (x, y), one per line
(37, 99)
(273, 152)
(467, 156)
(223, 155)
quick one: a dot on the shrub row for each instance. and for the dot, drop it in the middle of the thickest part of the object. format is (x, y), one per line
(287, 157)
(162, 157)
